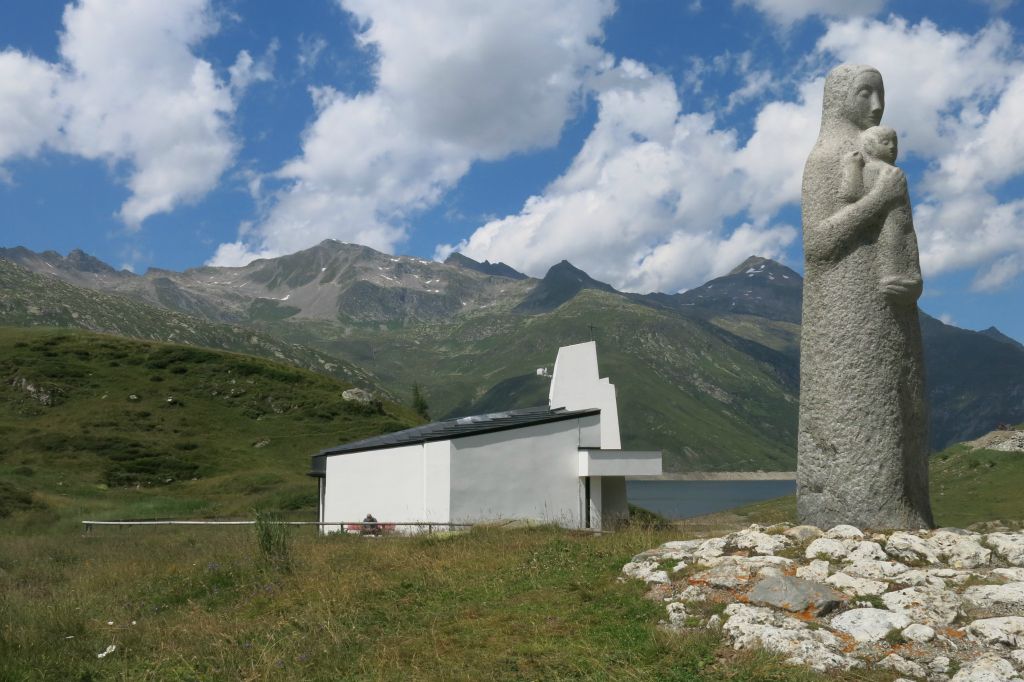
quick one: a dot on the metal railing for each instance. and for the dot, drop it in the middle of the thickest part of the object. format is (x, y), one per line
(353, 525)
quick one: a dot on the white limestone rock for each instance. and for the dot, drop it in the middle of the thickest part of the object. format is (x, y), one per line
(1013, 575)
(939, 665)
(902, 666)
(866, 550)
(960, 548)
(693, 593)
(817, 570)
(731, 572)
(1008, 595)
(876, 570)
(929, 605)
(677, 614)
(647, 571)
(869, 625)
(1009, 546)
(1017, 657)
(828, 547)
(854, 586)
(758, 627)
(844, 532)
(688, 546)
(758, 542)
(709, 549)
(1006, 631)
(922, 634)
(987, 668)
(802, 533)
(922, 578)
(910, 547)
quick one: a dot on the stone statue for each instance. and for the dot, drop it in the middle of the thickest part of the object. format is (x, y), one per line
(862, 441)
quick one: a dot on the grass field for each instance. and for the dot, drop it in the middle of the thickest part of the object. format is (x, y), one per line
(216, 603)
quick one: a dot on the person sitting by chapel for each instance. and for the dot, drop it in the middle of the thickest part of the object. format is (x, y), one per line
(370, 526)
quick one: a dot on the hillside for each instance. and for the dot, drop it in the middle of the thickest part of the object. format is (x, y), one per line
(29, 299)
(97, 425)
(709, 375)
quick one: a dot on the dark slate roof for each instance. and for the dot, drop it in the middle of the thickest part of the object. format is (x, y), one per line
(449, 429)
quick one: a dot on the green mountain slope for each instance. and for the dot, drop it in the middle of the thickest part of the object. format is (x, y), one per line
(96, 425)
(28, 299)
(709, 376)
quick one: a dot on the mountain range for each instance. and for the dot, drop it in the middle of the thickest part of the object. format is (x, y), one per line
(709, 375)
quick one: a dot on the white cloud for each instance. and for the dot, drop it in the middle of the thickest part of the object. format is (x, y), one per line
(645, 202)
(456, 83)
(30, 113)
(1000, 273)
(310, 50)
(128, 89)
(787, 12)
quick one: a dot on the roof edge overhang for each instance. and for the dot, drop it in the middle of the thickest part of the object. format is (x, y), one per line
(433, 438)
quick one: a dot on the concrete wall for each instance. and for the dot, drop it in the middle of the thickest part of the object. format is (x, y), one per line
(408, 483)
(576, 385)
(526, 473)
(614, 506)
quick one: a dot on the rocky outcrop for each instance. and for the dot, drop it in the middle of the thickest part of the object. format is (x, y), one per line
(930, 605)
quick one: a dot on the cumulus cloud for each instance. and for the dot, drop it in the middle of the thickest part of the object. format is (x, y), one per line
(30, 114)
(128, 89)
(455, 83)
(787, 12)
(649, 199)
(645, 202)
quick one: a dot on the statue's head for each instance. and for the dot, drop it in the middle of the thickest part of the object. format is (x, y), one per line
(854, 92)
(880, 142)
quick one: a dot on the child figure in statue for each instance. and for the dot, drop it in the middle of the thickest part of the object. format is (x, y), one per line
(900, 268)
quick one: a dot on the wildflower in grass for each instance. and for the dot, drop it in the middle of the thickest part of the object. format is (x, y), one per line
(106, 652)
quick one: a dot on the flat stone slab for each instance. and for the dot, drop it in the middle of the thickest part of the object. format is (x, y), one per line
(869, 625)
(795, 594)
(1010, 546)
(1008, 631)
(928, 605)
(1010, 595)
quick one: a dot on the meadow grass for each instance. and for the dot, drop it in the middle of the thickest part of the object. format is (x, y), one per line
(537, 603)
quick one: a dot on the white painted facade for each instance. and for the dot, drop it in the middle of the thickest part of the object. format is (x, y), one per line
(567, 470)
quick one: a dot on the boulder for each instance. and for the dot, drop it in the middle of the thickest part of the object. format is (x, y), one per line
(795, 594)
(869, 625)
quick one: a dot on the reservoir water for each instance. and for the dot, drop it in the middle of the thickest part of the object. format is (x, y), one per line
(685, 499)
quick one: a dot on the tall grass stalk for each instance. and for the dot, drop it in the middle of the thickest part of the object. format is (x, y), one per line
(272, 540)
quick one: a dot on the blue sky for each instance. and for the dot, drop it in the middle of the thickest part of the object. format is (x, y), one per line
(654, 143)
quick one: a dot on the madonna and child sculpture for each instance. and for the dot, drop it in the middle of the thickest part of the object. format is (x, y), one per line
(862, 450)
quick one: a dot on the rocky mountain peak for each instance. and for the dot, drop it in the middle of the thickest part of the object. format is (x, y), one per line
(498, 269)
